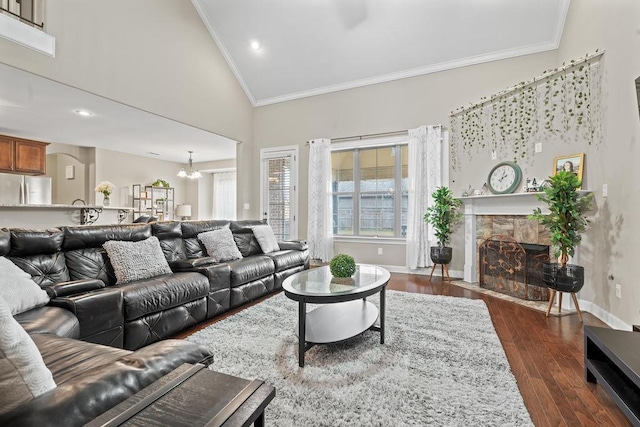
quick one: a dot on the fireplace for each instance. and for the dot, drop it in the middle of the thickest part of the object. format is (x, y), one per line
(513, 268)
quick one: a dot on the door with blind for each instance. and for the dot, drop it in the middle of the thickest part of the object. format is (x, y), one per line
(279, 183)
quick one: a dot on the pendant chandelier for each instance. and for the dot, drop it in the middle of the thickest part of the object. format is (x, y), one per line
(191, 174)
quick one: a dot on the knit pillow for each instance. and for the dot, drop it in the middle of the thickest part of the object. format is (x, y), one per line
(220, 245)
(266, 238)
(136, 260)
(17, 288)
(23, 374)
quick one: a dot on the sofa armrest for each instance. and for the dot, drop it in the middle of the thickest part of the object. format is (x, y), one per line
(190, 263)
(100, 313)
(74, 287)
(297, 245)
(219, 275)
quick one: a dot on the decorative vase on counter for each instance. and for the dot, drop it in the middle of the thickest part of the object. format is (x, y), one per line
(106, 201)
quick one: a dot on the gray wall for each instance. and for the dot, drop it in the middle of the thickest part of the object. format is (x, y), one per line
(609, 246)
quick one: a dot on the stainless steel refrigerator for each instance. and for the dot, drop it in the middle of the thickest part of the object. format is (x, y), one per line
(24, 190)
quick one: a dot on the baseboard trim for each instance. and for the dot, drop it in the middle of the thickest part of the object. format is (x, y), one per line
(421, 271)
(602, 314)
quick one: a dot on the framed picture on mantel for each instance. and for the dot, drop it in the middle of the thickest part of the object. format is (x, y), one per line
(573, 163)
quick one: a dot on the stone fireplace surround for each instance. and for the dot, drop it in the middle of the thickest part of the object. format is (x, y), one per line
(485, 216)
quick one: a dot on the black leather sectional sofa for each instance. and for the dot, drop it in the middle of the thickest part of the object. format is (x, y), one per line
(99, 338)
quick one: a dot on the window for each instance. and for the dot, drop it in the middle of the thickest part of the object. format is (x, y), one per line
(224, 195)
(370, 191)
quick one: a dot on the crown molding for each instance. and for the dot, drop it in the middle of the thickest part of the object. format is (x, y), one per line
(443, 66)
(553, 44)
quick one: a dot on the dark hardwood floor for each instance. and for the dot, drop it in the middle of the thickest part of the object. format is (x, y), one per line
(545, 354)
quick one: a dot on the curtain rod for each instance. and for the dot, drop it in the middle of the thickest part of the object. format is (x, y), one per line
(544, 76)
(372, 135)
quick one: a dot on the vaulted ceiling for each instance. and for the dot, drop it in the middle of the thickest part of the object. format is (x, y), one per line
(310, 47)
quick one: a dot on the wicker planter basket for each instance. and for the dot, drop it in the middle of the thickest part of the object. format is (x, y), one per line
(569, 278)
(441, 255)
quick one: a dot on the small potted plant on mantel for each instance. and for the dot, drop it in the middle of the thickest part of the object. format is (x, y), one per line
(566, 222)
(443, 216)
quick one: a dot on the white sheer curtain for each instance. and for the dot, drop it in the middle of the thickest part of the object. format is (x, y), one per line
(425, 175)
(224, 195)
(320, 225)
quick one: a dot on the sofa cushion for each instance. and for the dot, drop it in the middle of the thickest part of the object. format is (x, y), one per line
(18, 290)
(266, 239)
(90, 263)
(147, 296)
(285, 260)
(94, 236)
(220, 245)
(194, 248)
(247, 243)
(191, 229)
(170, 235)
(5, 241)
(93, 378)
(136, 260)
(50, 320)
(23, 373)
(25, 242)
(45, 269)
(249, 269)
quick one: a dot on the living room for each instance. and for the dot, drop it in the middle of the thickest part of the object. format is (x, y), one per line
(162, 59)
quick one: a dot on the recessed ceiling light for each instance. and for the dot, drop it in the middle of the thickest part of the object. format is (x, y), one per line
(256, 45)
(84, 113)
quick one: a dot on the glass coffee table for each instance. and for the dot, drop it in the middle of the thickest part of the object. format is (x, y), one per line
(345, 312)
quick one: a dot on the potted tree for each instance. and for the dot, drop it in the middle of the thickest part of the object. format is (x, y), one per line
(566, 222)
(443, 215)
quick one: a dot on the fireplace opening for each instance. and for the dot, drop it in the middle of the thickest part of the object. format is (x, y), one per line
(513, 268)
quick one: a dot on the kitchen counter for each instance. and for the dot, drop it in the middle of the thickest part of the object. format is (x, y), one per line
(43, 216)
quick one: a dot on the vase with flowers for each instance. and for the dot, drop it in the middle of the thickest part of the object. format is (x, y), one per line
(106, 188)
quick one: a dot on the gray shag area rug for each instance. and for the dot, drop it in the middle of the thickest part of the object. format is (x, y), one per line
(442, 364)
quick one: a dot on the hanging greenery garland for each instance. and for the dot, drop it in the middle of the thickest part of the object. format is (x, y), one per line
(563, 103)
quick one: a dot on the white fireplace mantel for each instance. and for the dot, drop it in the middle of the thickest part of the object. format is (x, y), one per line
(493, 204)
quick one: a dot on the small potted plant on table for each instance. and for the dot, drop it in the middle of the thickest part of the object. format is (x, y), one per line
(443, 216)
(342, 267)
(566, 222)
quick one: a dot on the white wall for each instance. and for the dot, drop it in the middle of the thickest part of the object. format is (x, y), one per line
(155, 55)
(124, 170)
(63, 190)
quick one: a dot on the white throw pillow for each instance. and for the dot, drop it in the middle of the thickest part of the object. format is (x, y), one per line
(136, 260)
(17, 288)
(23, 374)
(220, 245)
(266, 239)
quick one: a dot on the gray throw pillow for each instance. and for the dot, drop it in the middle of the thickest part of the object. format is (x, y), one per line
(266, 238)
(220, 245)
(136, 260)
(23, 374)
(17, 288)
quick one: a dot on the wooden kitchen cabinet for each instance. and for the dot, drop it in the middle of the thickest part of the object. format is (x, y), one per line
(22, 156)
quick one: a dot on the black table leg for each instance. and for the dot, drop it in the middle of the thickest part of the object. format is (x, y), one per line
(259, 422)
(382, 310)
(302, 333)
